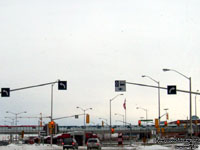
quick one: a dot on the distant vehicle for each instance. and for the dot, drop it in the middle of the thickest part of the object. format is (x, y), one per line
(93, 143)
(69, 143)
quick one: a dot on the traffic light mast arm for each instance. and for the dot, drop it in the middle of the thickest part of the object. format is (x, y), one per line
(66, 117)
(164, 88)
(33, 86)
(163, 115)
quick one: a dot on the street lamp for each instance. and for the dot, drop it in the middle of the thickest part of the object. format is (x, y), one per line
(190, 95)
(158, 94)
(144, 110)
(166, 109)
(16, 114)
(121, 116)
(110, 111)
(105, 120)
(84, 110)
(196, 104)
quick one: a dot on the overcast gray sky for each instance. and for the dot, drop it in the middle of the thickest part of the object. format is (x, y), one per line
(92, 43)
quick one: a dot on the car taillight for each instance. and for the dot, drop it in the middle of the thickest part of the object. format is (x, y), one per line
(73, 143)
(62, 143)
(87, 143)
(97, 144)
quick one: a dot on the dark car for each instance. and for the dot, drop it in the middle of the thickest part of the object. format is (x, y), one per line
(93, 143)
(69, 143)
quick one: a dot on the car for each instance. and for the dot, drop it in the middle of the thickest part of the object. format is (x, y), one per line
(93, 143)
(69, 143)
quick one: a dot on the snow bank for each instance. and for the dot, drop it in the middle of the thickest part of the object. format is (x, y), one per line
(30, 147)
(153, 147)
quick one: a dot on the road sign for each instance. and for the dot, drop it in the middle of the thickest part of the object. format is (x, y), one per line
(5, 92)
(76, 116)
(120, 85)
(62, 85)
(171, 89)
(148, 120)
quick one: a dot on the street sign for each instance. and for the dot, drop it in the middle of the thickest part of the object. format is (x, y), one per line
(76, 116)
(148, 120)
(5, 92)
(171, 89)
(120, 85)
(62, 85)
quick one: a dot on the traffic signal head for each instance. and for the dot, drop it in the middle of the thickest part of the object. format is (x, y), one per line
(112, 130)
(178, 122)
(156, 123)
(52, 122)
(165, 123)
(167, 116)
(87, 118)
(102, 123)
(139, 122)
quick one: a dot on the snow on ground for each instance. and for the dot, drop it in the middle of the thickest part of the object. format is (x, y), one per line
(30, 147)
(54, 147)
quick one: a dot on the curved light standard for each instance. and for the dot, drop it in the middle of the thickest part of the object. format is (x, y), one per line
(196, 104)
(190, 95)
(158, 94)
(16, 114)
(110, 111)
(144, 110)
(105, 120)
(84, 110)
(121, 116)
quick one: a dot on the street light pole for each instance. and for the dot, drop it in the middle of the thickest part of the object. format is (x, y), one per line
(110, 112)
(196, 104)
(52, 112)
(190, 96)
(158, 94)
(122, 117)
(16, 114)
(84, 110)
(144, 110)
(105, 120)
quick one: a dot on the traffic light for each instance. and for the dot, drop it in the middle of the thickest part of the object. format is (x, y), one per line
(51, 124)
(178, 122)
(102, 123)
(165, 123)
(139, 122)
(156, 123)
(22, 134)
(87, 118)
(167, 116)
(112, 130)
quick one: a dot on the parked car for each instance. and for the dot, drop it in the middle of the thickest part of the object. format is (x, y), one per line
(93, 143)
(69, 143)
